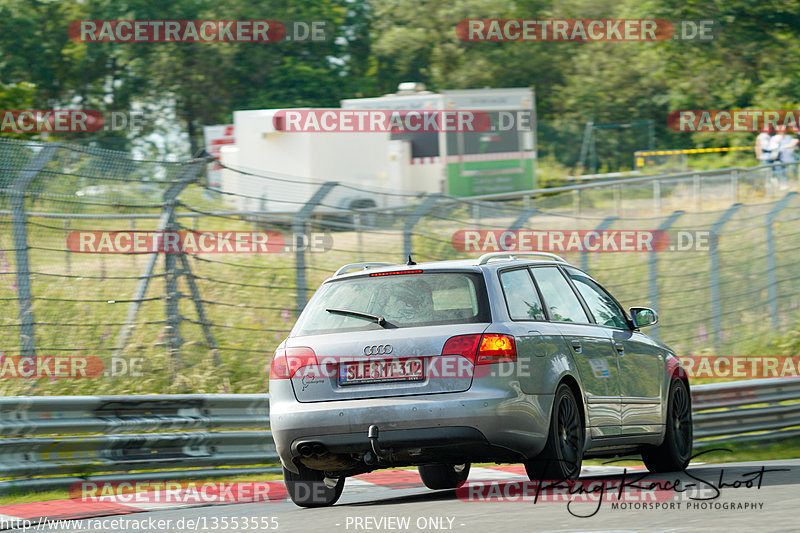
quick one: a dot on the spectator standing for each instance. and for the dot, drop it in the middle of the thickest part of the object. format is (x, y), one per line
(782, 146)
(762, 146)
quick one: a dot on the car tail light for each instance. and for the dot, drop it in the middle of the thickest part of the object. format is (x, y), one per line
(496, 348)
(482, 350)
(464, 345)
(287, 361)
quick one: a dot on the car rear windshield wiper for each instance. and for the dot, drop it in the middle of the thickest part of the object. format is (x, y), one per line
(358, 314)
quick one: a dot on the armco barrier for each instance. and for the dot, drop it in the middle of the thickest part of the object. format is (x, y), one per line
(106, 434)
(94, 434)
(746, 410)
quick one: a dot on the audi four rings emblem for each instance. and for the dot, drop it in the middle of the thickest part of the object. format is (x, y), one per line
(380, 349)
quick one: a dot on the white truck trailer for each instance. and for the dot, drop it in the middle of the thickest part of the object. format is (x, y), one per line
(458, 163)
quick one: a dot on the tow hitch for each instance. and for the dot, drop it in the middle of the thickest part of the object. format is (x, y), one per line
(376, 454)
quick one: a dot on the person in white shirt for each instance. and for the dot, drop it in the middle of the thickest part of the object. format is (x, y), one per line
(782, 146)
(762, 145)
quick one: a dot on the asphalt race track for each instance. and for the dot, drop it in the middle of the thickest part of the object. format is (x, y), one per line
(754, 496)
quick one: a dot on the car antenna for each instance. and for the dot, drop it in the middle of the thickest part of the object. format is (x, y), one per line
(410, 261)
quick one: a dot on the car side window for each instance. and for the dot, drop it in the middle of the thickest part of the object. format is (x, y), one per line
(560, 299)
(522, 299)
(605, 310)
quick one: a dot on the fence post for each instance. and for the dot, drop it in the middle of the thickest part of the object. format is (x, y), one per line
(17, 193)
(522, 219)
(476, 214)
(188, 175)
(359, 236)
(67, 253)
(173, 296)
(205, 324)
(654, 292)
(299, 230)
(716, 310)
(735, 185)
(772, 278)
(408, 226)
(657, 197)
(133, 228)
(696, 191)
(604, 225)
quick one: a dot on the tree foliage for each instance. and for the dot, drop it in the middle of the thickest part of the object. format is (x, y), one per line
(378, 43)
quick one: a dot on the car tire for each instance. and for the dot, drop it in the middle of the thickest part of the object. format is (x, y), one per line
(308, 488)
(674, 453)
(444, 476)
(563, 453)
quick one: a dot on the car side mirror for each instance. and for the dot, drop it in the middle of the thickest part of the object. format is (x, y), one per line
(643, 316)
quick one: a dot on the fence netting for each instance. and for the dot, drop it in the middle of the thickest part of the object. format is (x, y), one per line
(209, 321)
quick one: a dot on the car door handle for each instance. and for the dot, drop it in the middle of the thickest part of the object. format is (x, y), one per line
(576, 345)
(620, 348)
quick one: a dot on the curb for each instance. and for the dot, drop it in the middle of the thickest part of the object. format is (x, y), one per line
(41, 513)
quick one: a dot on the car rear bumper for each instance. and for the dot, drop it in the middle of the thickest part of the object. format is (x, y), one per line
(479, 423)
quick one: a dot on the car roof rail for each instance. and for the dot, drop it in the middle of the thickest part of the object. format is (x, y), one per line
(485, 258)
(353, 266)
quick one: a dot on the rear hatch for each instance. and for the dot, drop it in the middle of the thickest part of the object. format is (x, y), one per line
(383, 334)
(414, 364)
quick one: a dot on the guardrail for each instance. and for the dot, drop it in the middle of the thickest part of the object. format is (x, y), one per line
(746, 410)
(89, 434)
(103, 434)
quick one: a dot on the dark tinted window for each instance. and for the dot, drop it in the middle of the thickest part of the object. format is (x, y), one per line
(407, 300)
(521, 296)
(560, 299)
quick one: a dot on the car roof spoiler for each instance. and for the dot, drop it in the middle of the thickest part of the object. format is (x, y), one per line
(485, 258)
(365, 266)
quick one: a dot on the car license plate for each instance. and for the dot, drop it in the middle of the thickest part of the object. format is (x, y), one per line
(379, 371)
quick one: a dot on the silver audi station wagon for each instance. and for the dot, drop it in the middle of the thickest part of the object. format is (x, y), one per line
(507, 358)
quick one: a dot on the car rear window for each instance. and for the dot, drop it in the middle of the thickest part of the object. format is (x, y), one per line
(408, 300)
